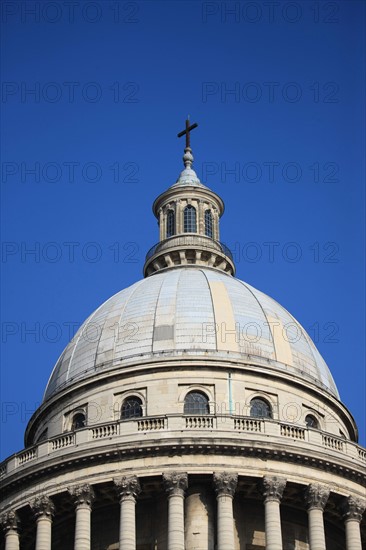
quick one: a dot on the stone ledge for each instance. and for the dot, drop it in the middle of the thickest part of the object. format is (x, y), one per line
(172, 435)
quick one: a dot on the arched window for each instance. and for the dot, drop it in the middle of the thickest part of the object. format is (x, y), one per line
(260, 408)
(131, 408)
(190, 219)
(170, 223)
(78, 421)
(196, 402)
(311, 421)
(208, 224)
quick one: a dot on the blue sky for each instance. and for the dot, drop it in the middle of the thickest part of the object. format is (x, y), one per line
(92, 101)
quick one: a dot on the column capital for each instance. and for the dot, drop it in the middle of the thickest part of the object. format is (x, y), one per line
(175, 483)
(272, 488)
(316, 496)
(225, 483)
(82, 494)
(352, 508)
(9, 521)
(127, 487)
(43, 507)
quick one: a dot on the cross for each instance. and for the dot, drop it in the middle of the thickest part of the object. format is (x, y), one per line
(187, 131)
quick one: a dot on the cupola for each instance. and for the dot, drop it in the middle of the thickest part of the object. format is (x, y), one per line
(188, 215)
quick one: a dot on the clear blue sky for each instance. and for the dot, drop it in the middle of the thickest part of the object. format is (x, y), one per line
(278, 92)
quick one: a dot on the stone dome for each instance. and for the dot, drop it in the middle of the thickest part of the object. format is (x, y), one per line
(190, 311)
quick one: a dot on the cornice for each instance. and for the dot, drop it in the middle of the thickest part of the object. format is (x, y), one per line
(177, 446)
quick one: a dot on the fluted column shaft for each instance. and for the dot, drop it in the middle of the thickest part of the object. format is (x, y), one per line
(128, 489)
(43, 509)
(162, 228)
(272, 489)
(127, 526)
(353, 535)
(10, 523)
(44, 533)
(316, 529)
(83, 496)
(11, 540)
(179, 217)
(316, 497)
(82, 527)
(175, 485)
(176, 521)
(352, 510)
(225, 486)
(273, 524)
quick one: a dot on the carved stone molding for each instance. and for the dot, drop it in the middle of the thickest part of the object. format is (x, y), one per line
(352, 508)
(272, 488)
(354, 472)
(127, 486)
(316, 496)
(225, 483)
(9, 521)
(43, 507)
(82, 494)
(175, 483)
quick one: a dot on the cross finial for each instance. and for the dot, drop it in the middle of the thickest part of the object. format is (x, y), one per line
(187, 131)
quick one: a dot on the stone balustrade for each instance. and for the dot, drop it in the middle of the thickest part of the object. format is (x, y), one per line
(237, 429)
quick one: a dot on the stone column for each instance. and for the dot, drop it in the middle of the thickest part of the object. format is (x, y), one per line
(200, 217)
(352, 510)
(128, 490)
(83, 496)
(225, 485)
(10, 524)
(272, 489)
(175, 485)
(316, 497)
(162, 229)
(179, 217)
(43, 509)
(216, 234)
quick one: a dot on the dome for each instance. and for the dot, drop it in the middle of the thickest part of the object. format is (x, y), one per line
(190, 311)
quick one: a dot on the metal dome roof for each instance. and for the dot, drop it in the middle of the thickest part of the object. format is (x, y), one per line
(190, 311)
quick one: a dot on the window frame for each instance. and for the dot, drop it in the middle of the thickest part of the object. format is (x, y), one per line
(190, 221)
(170, 223)
(76, 414)
(137, 399)
(209, 223)
(197, 412)
(266, 402)
(314, 418)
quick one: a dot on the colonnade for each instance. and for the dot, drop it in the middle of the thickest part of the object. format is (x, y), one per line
(178, 206)
(176, 484)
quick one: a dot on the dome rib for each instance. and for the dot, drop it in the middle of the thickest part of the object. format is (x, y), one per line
(137, 286)
(264, 314)
(213, 307)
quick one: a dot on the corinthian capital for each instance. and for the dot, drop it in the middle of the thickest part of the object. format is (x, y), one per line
(43, 507)
(127, 486)
(272, 488)
(352, 508)
(82, 494)
(175, 483)
(9, 521)
(225, 483)
(316, 496)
